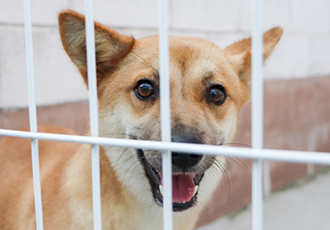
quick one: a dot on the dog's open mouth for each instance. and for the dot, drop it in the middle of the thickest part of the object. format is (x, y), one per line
(184, 185)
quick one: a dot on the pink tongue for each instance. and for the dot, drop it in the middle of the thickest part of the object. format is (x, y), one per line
(182, 187)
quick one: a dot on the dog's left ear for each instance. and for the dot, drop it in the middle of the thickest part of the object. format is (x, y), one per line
(110, 46)
(240, 52)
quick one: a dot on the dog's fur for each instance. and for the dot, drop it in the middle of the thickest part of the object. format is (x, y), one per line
(197, 67)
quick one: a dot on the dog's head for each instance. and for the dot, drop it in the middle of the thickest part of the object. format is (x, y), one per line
(208, 88)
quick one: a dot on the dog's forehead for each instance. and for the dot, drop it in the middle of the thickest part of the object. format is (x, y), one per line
(183, 49)
(192, 57)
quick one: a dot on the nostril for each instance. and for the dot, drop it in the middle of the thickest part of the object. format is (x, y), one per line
(185, 161)
(175, 155)
(182, 161)
(195, 156)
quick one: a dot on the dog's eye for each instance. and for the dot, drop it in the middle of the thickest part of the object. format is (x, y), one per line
(216, 94)
(144, 89)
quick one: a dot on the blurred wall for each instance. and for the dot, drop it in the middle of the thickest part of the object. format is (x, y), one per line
(303, 52)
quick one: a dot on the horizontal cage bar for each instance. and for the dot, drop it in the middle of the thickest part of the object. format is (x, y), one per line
(263, 154)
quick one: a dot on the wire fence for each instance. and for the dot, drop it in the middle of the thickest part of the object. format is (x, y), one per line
(257, 153)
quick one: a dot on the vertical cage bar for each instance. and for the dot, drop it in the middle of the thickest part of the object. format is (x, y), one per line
(257, 114)
(310, 169)
(33, 115)
(266, 178)
(165, 113)
(257, 195)
(93, 112)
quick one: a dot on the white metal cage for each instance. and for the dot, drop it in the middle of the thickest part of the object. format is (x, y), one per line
(257, 153)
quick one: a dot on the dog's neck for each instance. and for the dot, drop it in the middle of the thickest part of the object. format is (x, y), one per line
(124, 204)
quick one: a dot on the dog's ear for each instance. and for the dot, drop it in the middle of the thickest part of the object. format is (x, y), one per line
(240, 52)
(110, 46)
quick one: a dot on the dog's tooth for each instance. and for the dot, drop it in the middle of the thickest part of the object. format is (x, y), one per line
(196, 189)
(161, 189)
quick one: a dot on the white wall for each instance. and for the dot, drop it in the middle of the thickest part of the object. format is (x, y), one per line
(304, 50)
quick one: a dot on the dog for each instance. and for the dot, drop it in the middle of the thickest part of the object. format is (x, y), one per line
(209, 86)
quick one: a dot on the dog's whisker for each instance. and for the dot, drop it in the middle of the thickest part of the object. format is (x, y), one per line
(209, 53)
(237, 144)
(146, 62)
(241, 164)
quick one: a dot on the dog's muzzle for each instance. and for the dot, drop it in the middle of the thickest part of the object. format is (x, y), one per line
(185, 177)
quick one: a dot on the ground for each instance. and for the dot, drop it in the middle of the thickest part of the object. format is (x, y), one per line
(303, 205)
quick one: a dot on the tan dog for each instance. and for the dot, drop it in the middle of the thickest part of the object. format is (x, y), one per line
(208, 88)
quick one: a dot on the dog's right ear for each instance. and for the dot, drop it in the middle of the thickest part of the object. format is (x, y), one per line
(110, 46)
(240, 52)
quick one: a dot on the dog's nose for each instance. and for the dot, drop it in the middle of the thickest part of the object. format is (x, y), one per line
(184, 161)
